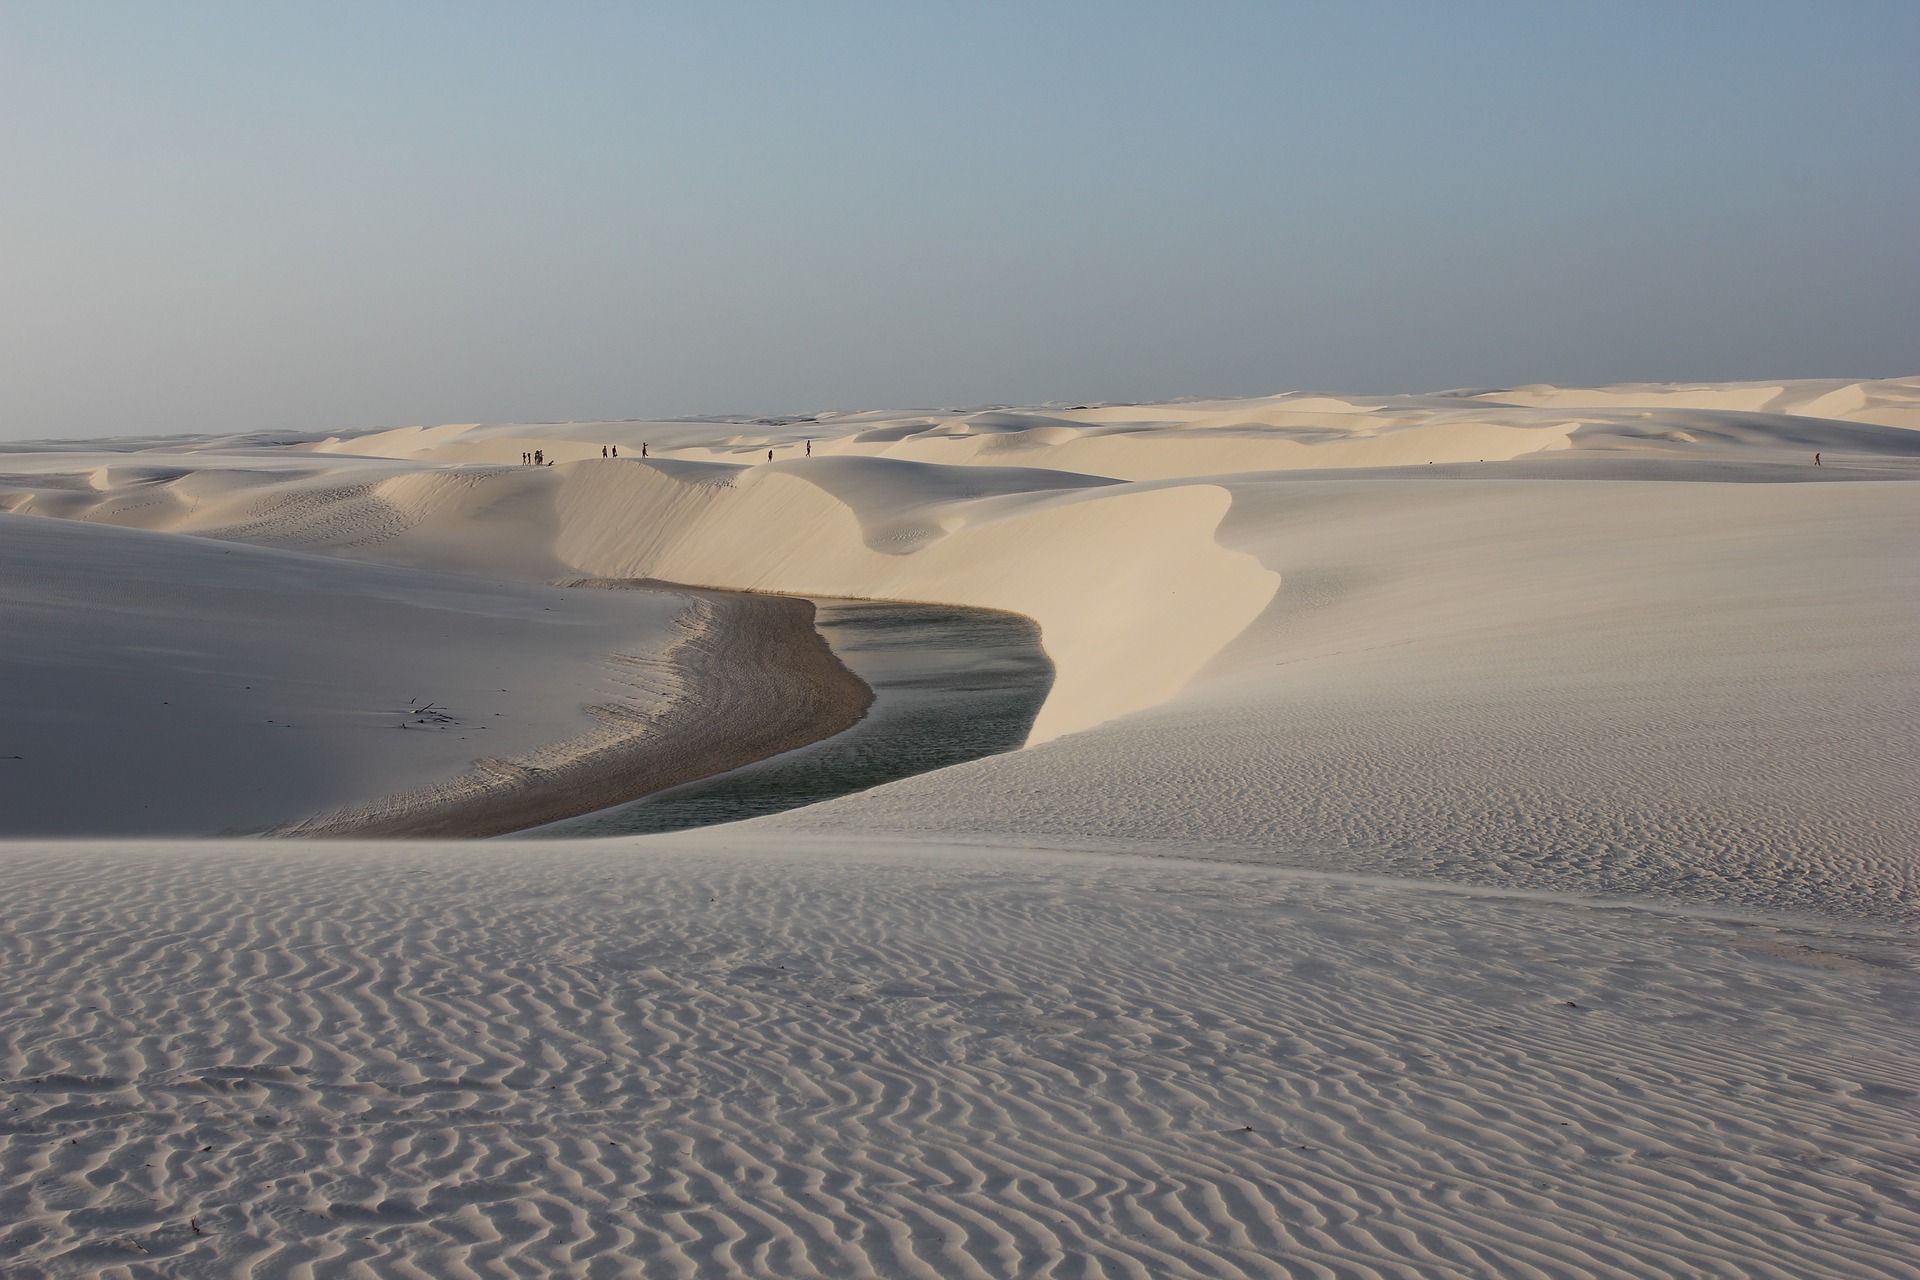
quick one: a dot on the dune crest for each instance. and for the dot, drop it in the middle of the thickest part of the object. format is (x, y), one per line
(1132, 593)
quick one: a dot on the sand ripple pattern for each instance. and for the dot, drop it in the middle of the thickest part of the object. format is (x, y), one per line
(700, 1059)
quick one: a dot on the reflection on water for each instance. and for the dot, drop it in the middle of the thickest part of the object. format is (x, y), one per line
(950, 684)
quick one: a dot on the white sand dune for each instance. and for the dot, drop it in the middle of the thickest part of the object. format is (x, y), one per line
(1528, 775)
(1698, 691)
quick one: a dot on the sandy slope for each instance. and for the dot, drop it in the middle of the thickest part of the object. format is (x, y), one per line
(1699, 691)
(1623, 641)
(151, 683)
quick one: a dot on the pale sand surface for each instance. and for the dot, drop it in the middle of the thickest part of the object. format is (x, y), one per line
(752, 679)
(1397, 692)
(725, 1056)
(151, 683)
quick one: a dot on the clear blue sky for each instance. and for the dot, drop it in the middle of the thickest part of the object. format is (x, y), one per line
(298, 216)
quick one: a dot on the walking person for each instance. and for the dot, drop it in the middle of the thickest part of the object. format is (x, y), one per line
(1816, 459)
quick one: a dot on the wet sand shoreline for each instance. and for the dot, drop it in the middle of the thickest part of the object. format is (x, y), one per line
(756, 679)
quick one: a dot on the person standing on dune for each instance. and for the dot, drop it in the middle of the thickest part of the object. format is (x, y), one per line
(1816, 459)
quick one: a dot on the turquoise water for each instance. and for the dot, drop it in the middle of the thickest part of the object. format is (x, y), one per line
(950, 684)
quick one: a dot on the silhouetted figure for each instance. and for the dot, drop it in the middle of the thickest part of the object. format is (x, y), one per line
(539, 457)
(809, 448)
(769, 455)
(616, 451)
(603, 451)
(643, 448)
(1816, 459)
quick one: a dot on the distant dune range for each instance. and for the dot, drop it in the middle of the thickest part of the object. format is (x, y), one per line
(1516, 796)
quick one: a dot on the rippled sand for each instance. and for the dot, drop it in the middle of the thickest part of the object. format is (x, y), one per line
(722, 1059)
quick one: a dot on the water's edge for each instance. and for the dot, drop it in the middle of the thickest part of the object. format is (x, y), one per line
(950, 684)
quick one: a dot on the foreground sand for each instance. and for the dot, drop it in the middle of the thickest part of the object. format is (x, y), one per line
(723, 1057)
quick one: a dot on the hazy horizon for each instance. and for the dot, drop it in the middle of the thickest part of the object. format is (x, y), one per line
(220, 218)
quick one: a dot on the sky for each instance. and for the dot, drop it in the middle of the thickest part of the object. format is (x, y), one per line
(291, 217)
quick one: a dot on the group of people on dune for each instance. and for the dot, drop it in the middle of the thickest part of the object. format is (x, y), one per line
(539, 458)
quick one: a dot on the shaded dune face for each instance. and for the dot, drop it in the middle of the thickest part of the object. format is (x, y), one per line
(158, 684)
